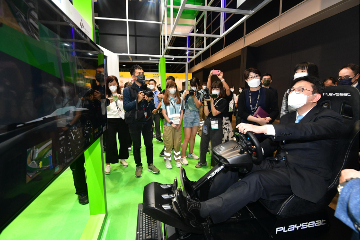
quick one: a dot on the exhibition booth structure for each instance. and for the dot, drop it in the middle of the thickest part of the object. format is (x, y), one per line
(49, 113)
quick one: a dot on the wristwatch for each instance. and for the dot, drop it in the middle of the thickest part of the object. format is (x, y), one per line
(341, 185)
(171, 122)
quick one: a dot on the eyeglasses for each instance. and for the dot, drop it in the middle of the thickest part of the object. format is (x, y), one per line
(344, 77)
(299, 90)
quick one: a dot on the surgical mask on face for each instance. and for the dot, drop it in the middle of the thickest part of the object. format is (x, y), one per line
(217, 92)
(99, 77)
(232, 90)
(297, 100)
(240, 90)
(113, 88)
(346, 81)
(151, 87)
(204, 87)
(172, 90)
(193, 88)
(302, 74)
(266, 83)
(254, 83)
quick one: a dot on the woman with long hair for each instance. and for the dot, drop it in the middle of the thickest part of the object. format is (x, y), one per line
(116, 125)
(172, 109)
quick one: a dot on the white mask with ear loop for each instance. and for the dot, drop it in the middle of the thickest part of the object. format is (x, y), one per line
(297, 100)
(254, 82)
(298, 75)
(113, 88)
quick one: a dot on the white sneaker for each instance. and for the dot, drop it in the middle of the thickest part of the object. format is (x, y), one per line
(193, 156)
(183, 161)
(168, 164)
(178, 163)
(124, 163)
(107, 169)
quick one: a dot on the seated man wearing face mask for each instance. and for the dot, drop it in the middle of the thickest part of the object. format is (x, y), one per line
(305, 141)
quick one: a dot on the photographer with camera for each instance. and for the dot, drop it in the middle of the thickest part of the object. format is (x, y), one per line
(216, 107)
(191, 119)
(138, 106)
(155, 112)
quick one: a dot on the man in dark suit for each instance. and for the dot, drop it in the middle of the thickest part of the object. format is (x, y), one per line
(304, 141)
(266, 80)
(349, 75)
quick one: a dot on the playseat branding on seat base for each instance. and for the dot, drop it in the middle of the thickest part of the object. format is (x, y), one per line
(304, 225)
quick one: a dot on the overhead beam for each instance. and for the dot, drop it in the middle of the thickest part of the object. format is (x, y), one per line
(261, 5)
(197, 35)
(185, 48)
(149, 55)
(126, 20)
(148, 61)
(178, 15)
(215, 9)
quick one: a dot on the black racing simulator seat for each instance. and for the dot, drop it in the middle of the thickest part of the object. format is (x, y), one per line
(292, 217)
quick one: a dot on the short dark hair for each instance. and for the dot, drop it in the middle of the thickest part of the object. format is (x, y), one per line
(133, 68)
(100, 66)
(316, 84)
(266, 74)
(251, 70)
(153, 81)
(218, 84)
(170, 78)
(354, 68)
(127, 84)
(311, 68)
(194, 81)
(334, 81)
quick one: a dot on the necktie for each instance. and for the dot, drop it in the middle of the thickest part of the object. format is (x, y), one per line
(298, 118)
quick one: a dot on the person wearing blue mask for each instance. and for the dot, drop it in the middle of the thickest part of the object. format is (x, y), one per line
(349, 75)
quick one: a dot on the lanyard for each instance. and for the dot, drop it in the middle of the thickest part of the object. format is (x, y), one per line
(173, 105)
(257, 102)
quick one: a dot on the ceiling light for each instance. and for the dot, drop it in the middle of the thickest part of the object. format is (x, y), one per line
(90, 54)
(124, 65)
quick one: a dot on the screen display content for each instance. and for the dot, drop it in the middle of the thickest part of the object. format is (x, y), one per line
(51, 99)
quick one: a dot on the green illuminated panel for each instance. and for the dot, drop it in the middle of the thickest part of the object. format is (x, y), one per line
(186, 14)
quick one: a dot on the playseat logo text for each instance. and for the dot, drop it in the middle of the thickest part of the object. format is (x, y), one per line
(304, 225)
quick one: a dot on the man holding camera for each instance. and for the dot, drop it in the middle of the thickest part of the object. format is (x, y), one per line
(138, 106)
(156, 115)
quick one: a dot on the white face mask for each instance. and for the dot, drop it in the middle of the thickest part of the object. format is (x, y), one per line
(151, 87)
(297, 100)
(193, 88)
(204, 87)
(172, 90)
(232, 90)
(217, 92)
(254, 83)
(302, 74)
(113, 88)
(240, 90)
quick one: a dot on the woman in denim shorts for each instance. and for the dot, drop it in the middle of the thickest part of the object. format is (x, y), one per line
(191, 120)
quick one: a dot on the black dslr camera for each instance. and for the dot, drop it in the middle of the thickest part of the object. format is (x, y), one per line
(191, 92)
(206, 94)
(148, 92)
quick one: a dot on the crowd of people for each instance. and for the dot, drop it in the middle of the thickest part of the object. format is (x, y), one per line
(205, 109)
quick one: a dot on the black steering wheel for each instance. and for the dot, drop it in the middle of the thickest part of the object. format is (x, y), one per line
(254, 147)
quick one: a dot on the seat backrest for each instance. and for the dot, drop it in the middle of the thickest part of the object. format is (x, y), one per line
(345, 101)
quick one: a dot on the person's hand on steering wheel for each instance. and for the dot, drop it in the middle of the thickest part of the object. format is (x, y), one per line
(245, 127)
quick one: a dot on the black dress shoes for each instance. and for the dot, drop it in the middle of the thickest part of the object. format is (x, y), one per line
(187, 209)
(83, 199)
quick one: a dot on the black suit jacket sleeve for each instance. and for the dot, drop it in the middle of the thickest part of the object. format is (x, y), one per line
(272, 105)
(326, 126)
(269, 147)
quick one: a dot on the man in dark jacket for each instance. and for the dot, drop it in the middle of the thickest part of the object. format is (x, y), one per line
(305, 139)
(138, 114)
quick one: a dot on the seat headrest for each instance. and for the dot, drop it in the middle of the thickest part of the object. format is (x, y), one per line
(343, 100)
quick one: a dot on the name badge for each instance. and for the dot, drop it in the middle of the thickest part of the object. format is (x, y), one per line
(214, 124)
(175, 118)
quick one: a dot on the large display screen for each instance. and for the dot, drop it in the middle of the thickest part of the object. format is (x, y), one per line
(51, 107)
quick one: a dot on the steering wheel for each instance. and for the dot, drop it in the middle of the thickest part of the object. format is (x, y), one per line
(257, 149)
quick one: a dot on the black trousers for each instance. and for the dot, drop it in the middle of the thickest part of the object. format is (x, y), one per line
(213, 135)
(135, 132)
(120, 127)
(78, 171)
(156, 120)
(269, 180)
